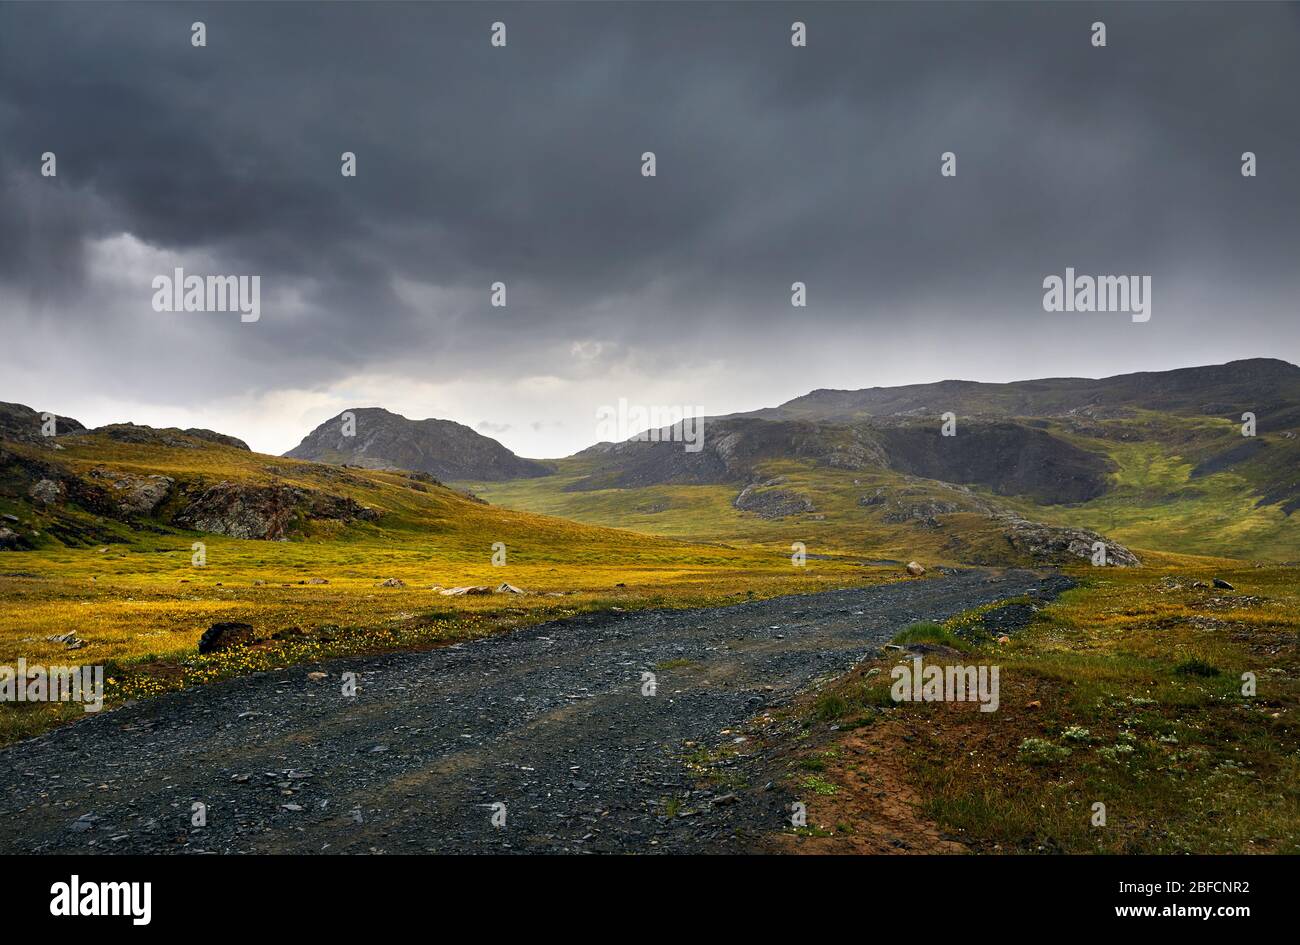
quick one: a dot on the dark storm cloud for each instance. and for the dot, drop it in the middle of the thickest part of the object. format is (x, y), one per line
(522, 165)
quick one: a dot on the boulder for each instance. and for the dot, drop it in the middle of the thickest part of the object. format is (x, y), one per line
(242, 510)
(47, 492)
(392, 582)
(226, 636)
(461, 591)
(1056, 544)
(507, 589)
(1223, 585)
(915, 569)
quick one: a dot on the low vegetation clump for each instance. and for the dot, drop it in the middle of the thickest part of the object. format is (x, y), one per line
(932, 633)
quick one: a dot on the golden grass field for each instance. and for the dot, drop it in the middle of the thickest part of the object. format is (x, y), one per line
(141, 603)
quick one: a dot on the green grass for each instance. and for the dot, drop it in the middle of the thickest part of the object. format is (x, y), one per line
(1127, 691)
(1156, 504)
(933, 633)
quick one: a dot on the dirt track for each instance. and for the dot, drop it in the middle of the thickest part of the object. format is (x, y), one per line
(549, 721)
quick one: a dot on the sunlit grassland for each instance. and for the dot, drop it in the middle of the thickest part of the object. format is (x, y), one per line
(141, 603)
(838, 524)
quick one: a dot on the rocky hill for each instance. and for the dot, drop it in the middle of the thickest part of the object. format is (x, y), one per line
(22, 424)
(1268, 387)
(82, 487)
(380, 439)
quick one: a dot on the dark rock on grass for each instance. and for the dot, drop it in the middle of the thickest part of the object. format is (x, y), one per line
(264, 512)
(1224, 585)
(225, 636)
(772, 503)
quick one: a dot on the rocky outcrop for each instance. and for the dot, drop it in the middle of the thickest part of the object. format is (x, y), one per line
(48, 484)
(134, 495)
(378, 439)
(922, 512)
(264, 512)
(763, 500)
(193, 438)
(1058, 544)
(22, 424)
(47, 492)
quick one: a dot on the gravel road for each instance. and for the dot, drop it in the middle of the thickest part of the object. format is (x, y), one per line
(550, 722)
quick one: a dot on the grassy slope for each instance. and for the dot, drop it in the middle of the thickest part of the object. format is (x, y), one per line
(1126, 691)
(1156, 504)
(838, 524)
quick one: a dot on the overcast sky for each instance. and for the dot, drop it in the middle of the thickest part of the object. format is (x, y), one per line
(522, 165)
